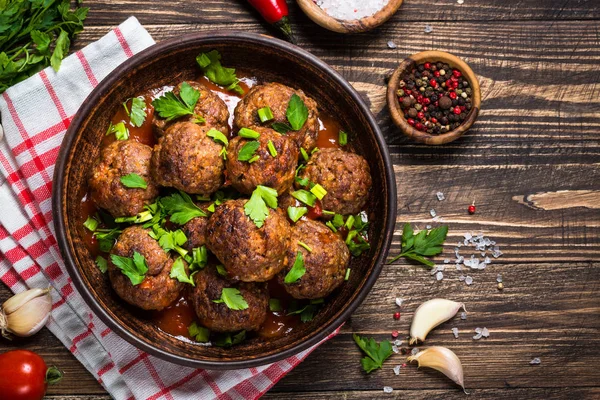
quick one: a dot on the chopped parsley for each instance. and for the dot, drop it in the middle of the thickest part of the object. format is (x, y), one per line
(348, 270)
(342, 138)
(307, 313)
(171, 240)
(199, 333)
(295, 213)
(248, 150)
(305, 197)
(217, 136)
(247, 133)
(181, 208)
(178, 272)
(134, 268)
(106, 238)
(281, 127)
(275, 305)
(144, 216)
(120, 130)
(228, 339)
(102, 264)
(134, 181)
(233, 299)
(137, 115)
(297, 271)
(256, 208)
(199, 258)
(296, 112)
(221, 270)
(170, 107)
(210, 63)
(376, 353)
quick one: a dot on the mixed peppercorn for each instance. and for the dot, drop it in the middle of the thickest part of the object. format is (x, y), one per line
(434, 97)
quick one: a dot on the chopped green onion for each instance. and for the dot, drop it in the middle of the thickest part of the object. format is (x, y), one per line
(274, 305)
(253, 159)
(304, 154)
(350, 222)
(347, 274)
(305, 196)
(343, 138)
(211, 208)
(307, 247)
(91, 224)
(221, 270)
(327, 212)
(331, 226)
(318, 191)
(295, 213)
(144, 216)
(265, 114)
(248, 133)
(272, 149)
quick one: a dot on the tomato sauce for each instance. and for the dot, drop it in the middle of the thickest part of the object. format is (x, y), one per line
(175, 319)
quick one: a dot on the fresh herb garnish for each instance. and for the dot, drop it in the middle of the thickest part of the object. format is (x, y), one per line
(256, 208)
(106, 238)
(247, 133)
(134, 181)
(272, 148)
(228, 339)
(134, 268)
(305, 197)
(356, 243)
(199, 258)
(274, 305)
(102, 264)
(376, 353)
(170, 107)
(265, 114)
(296, 112)
(218, 136)
(211, 66)
(348, 270)
(423, 244)
(144, 216)
(297, 271)
(170, 240)
(307, 247)
(137, 116)
(307, 313)
(199, 333)
(35, 34)
(178, 272)
(304, 154)
(318, 191)
(331, 226)
(295, 213)
(342, 138)
(233, 299)
(181, 208)
(91, 224)
(120, 130)
(281, 127)
(247, 151)
(221, 270)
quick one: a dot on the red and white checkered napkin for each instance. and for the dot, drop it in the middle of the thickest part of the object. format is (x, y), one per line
(35, 115)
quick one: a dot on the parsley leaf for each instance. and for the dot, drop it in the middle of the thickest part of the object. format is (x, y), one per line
(170, 107)
(233, 299)
(295, 213)
(199, 333)
(218, 136)
(134, 268)
(424, 244)
(274, 305)
(376, 353)
(228, 339)
(102, 264)
(181, 208)
(199, 258)
(134, 181)
(305, 196)
(61, 49)
(281, 127)
(297, 271)
(256, 207)
(210, 63)
(178, 272)
(120, 130)
(296, 112)
(137, 115)
(221, 270)
(248, 150)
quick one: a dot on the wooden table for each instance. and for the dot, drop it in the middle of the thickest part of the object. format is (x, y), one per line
(531, 163)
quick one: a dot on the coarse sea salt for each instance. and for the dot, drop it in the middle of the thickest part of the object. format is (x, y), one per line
(535, 361)
(440, 196)
(428, 29)
(455, 332)
(388, 389)
(398, 342)
(397, 369)
(432, 213)
(351, 9)
(391, 44)
(414, 351)
(463, 315)
(468, 280)
(395, 349)
(399, 301)
(439, 276)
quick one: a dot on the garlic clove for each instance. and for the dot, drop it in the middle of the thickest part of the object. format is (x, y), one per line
(443, 360)
(28, 313)
(429, 315)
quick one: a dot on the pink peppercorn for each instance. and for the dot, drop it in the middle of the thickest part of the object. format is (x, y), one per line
(457, 110)
(456, 73)
(411, 122)
(452, 95)
(394, 334)
(397, 315)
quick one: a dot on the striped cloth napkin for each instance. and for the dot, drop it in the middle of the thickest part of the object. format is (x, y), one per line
(35, 116)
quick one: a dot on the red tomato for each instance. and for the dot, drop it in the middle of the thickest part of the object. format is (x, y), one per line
(23, 375)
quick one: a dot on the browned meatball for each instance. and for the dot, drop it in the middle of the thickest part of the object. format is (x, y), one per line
(195, 230)
(277, 97)
(209, 106)
(345, 176)
(116, 160)
(249, 253)
(217, 316)
(325, 264)
(157, 290)
(186, 159)
(275, 172)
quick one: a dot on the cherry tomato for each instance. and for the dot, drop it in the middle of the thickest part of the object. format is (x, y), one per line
(25, 376)
(316, 211)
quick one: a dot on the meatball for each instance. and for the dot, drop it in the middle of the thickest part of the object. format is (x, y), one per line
(276, 172)
(195, 229)
(209, 106)
(345, 176)
(325, 264)
(157, 290)
(186, 159)
(217, 316)
(120, 158)
(277, 97)
(249, 253)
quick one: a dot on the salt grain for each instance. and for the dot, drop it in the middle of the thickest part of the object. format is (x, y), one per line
(397, 369)
(432, 213)
(463, 315)
(455, 332)
(391, 44)
(440, 196)
(428, 29)
(395, 349)
(351, 9)
(485, 332)
(535, 361)
(439, 276)
(399, 301)
(468, 280)
(460, 1)
(477, 337)
(388, 389)
(446, 260)
(414, 351)
(499, 278)
(458, 267)
(461, 278)
(428, 227)
(398, 342)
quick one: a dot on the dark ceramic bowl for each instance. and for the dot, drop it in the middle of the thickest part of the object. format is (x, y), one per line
(169, 62)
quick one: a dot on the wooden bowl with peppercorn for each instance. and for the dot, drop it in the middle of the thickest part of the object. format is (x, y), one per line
(433, 97)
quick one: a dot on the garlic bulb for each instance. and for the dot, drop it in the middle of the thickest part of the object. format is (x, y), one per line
(429, 315)
(443, 360)
(25, 313)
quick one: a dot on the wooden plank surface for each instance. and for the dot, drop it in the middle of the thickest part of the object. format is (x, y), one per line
(531, 163)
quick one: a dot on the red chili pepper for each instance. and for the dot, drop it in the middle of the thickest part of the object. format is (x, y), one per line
(316, 211)
(275, 12)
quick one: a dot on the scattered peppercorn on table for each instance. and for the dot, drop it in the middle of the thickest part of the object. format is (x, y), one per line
(530, 165)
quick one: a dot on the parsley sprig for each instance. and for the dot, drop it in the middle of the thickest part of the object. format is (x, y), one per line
(171, 107)
(181, 208)
(134, 268)
(376, 353)
(423, 244)
(233, 299)
(210, 63)
(257, 207)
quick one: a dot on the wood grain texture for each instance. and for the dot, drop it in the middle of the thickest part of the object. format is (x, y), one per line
(530, 163)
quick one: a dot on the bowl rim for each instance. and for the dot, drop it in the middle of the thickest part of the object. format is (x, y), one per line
(320, 17)
(396, 111)
(129, 65)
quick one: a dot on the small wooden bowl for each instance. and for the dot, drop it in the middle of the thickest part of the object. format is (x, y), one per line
(396, 110)
(318, 15)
